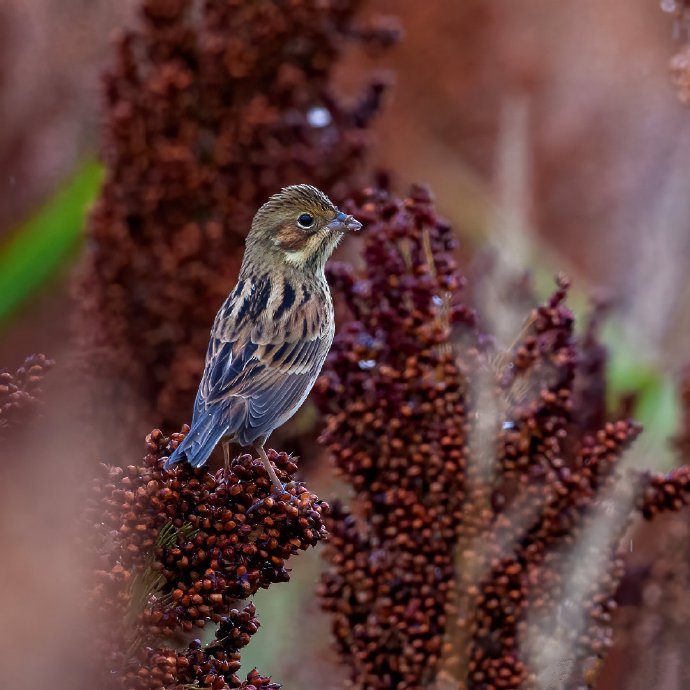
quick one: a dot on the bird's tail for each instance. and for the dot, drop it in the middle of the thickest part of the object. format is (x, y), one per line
(199, 442)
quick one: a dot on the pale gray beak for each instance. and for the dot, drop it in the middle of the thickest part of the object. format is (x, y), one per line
(345, 223)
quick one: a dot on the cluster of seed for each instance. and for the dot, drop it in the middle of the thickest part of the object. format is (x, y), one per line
(654, 616)
(19, 392)
(474, 471)
(213, 666)
(395, 426)
(211, 107)
(534, 396)
(589, 388)
(664, 492)
(552, 475)
(508, 609)
(180, 547)
(655, 593)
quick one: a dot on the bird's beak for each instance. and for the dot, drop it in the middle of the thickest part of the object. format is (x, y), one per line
(344, 223)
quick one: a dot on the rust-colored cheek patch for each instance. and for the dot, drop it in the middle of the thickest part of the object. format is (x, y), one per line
(291, 239)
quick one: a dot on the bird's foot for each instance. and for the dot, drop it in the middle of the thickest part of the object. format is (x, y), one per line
(277, 495)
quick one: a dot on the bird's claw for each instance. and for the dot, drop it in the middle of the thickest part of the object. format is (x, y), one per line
(270, 500)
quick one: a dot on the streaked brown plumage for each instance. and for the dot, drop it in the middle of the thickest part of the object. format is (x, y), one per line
(271, 336)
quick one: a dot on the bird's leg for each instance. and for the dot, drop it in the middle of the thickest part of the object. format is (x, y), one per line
(278, 488)
(269, 467)
(226, 456)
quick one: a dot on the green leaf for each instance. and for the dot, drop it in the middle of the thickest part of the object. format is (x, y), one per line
(657, 405)
(37, 249)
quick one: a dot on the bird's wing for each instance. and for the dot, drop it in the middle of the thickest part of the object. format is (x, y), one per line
(266, 365)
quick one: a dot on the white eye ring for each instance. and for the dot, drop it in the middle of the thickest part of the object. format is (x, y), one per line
(305, 221)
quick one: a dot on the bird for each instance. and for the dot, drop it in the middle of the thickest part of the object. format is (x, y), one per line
(271, 336)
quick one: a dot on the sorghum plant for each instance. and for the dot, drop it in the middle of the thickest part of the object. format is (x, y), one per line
(655, 592)
(210, 108)
(178, 550)
(20, 392)
(482, 549)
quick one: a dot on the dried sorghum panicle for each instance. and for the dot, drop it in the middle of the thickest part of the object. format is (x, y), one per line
(395, 426)
(211, 107)
(518, 528)
(20, 392)
(655, 593)
(475, 472)
(218, 552)
(664, 492)
(214, 665)
(523, 591)
(590, 383)
(179, 548)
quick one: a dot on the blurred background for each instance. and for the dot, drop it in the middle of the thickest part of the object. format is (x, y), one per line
(554, 127)
(551, 133)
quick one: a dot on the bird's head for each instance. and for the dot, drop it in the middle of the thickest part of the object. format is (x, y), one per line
(301, 226)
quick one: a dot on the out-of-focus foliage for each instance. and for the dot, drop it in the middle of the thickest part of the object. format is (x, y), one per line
(650, 392)
(38, 248)
(51, 58)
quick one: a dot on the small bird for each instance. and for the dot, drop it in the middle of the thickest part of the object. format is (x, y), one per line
(272, 334)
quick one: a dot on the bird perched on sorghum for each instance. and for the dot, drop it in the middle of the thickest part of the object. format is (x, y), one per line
(271, 336)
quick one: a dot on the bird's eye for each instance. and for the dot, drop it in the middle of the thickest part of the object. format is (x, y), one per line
(306, 220)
